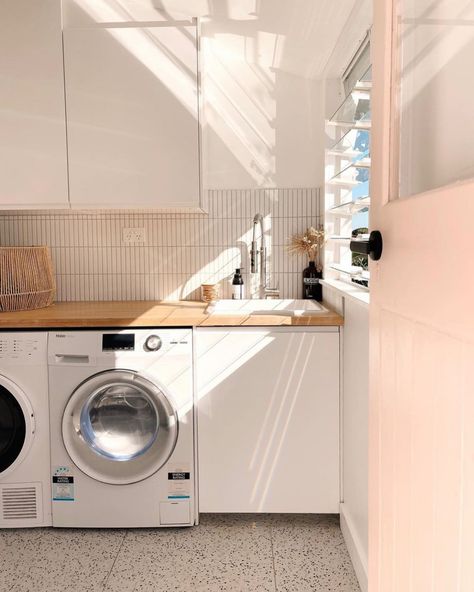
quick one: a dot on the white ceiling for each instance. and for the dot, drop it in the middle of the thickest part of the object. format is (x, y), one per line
(296, 36)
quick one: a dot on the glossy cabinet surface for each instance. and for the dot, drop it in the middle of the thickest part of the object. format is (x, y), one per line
(132, 116)
(268, 419)
(97, 114)
(33, 164)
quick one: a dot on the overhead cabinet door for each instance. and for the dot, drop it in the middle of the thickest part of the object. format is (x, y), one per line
(33, 169)
(132, 116)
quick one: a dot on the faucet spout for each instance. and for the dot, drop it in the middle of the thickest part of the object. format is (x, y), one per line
(257, 219)
(256, 265)
(254, 251)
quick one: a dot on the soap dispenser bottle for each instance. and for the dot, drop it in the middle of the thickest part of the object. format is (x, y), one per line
(312, 287)
(238, 289)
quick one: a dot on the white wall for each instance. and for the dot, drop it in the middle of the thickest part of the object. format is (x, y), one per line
(354, 423)
(263, 127)
(354, 509)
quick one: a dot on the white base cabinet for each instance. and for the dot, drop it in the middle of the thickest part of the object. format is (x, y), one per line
(268, 419)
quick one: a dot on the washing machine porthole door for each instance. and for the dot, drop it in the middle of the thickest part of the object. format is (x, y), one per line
(120, 421)
(119, 427)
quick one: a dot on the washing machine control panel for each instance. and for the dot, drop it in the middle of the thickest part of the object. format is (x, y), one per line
(20, 349)
(118, 342)
(126, 342)
(85, 348)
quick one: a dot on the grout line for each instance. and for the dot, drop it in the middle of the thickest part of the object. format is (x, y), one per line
(273, 559)
(106, 582)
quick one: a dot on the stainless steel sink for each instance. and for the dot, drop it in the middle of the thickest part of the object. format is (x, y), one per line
(288, 307)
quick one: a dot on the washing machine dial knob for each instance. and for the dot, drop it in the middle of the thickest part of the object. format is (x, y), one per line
(152, 343)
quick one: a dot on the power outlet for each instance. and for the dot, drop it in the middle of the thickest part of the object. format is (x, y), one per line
(133, 235)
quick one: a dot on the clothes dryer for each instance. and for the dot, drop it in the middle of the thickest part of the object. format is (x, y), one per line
(25, 498)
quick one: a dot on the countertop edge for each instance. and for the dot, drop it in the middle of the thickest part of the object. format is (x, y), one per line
(90, 315)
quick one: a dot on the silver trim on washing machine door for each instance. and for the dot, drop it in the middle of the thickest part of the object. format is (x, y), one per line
(119, 427)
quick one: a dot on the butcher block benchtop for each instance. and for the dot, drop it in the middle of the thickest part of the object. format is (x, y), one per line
(150, 314)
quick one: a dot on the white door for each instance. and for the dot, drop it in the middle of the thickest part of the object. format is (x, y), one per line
(421, 483)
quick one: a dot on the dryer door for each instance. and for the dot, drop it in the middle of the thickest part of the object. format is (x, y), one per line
(16, 426)
(119, 427)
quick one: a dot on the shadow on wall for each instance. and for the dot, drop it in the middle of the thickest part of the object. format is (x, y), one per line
(260, 61)
(261, 129)
(181, 251)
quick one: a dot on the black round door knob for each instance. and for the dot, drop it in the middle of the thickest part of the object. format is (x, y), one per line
(373, 246)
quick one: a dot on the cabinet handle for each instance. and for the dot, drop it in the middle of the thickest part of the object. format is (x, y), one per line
(372, 247)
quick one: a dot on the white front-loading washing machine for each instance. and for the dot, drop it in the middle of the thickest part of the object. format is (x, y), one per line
(122, 428)
(25, 493)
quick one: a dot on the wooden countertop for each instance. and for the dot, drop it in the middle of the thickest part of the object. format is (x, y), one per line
(150, 314)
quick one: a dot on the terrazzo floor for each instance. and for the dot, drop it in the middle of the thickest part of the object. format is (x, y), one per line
(230, 553)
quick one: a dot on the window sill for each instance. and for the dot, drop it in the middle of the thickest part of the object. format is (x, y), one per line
(349, 291)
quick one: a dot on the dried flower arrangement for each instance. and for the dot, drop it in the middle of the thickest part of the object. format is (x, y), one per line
(308, 243)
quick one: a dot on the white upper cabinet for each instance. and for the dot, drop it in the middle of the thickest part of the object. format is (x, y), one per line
(99, 106)
(33, 163)
(132, 109)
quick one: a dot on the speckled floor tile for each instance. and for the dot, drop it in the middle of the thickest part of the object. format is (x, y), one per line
(13, 544)
(224, 553)
(67, 559)
(231, 553)
(310, 555)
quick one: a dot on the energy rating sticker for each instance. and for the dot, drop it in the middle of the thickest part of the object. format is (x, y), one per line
(179, 483)
(63, 485)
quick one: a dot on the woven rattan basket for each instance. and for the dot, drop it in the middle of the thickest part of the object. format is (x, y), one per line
(26, 278)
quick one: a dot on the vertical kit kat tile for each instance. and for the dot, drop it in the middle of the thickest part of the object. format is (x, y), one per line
(181, 249)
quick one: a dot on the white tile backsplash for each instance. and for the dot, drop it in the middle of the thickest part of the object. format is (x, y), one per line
(182, 250)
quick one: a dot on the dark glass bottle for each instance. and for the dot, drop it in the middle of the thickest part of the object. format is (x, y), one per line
(238, 285)
(312, 287)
